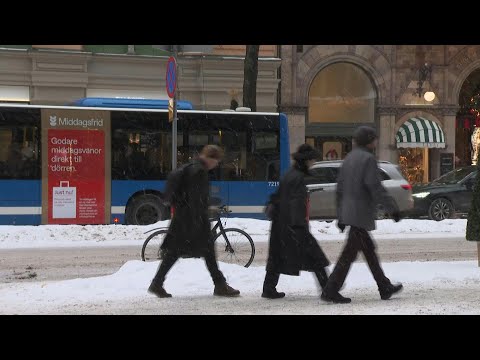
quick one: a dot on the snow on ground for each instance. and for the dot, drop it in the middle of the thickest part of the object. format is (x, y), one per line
(121, 235)
(430, 288)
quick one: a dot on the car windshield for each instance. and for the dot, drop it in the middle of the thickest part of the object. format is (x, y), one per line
(455, 176)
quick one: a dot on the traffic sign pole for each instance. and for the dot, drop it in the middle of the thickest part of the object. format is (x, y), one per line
(171, 82)
(174, 127)
(174, 133)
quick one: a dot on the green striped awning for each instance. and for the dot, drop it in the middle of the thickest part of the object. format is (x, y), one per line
(419, 132)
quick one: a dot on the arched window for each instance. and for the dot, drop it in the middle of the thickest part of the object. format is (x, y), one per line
(341, 93)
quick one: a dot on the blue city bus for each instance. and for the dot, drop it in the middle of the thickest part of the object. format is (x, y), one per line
(138, 144)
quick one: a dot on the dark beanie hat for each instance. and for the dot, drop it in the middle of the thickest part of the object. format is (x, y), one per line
(364, 135)
(305, 152)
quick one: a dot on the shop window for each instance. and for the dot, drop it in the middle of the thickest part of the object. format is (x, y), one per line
(331, 147)
(341, 93)
(467, 136)
(414, 164)
(475, 141)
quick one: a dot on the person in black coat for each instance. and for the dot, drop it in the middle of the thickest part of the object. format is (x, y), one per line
(359, 191)
(189, 234)
(292, 248)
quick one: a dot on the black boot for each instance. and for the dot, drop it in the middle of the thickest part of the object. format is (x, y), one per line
(387, 292)
(272, 294)
(223, 289)
(269, 286)
(336, 298)
(157, 289)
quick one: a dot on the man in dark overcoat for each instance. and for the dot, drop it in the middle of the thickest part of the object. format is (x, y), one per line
(292, 248)
(189, 233)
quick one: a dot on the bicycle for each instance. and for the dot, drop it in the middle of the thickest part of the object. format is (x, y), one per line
(232, 245)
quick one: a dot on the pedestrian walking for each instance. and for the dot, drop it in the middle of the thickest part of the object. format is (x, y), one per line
(359, 191)
(292, 248)
(189, 233)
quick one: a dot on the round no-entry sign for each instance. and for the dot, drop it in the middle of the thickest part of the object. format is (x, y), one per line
(171, 78)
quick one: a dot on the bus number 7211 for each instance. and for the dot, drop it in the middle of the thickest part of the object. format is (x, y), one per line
(273, 183)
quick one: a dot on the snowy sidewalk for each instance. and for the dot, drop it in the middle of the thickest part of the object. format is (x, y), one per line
(430, 288)
(120, 235)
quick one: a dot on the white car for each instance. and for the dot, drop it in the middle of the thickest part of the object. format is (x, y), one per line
(323, 184)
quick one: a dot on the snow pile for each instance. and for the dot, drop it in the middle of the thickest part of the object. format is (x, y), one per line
(122, 235)
(190, 279)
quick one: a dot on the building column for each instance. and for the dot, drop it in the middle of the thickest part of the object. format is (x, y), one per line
(386, 140)
(296, 125)
(297, 129)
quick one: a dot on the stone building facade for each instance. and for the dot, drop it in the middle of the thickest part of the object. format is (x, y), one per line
(58, 74)
(328, 90)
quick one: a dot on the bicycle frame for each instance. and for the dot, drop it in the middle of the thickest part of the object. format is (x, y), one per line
(214, 230)
(217, 230)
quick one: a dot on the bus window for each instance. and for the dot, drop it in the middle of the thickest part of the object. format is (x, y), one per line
(19, 144)
(274, 171)
(141, 145)
(250, 146)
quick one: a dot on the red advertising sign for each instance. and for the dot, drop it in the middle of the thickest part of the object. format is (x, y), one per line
(76, 176)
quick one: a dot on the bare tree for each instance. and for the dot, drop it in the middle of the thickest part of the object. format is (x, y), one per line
(250, 77)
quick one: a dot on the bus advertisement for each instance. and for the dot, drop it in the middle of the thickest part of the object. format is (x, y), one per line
(104, 161)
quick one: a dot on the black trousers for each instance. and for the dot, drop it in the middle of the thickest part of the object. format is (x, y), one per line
(271, 279)
(170, 258)
(358, 240)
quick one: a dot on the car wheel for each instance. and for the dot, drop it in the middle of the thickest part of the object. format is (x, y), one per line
(441, 209)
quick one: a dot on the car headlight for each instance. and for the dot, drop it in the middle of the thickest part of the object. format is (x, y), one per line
(421, 195)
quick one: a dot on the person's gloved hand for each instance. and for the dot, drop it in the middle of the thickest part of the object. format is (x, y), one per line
(341, 227)
(396, 216)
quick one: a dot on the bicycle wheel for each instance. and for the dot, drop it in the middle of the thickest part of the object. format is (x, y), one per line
(151, 246)
(235, 246)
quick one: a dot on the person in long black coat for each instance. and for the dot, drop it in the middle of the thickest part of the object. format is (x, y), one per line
(359, 191)
(292, 248)
(189, 233)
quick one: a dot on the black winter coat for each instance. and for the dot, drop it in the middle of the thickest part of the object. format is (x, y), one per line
(189, 234)
(292, 247)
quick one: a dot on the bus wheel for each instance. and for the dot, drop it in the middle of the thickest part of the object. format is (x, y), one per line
(145, 209)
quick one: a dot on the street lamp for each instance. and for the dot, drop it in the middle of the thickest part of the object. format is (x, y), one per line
(424, 74)
(429, 96)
